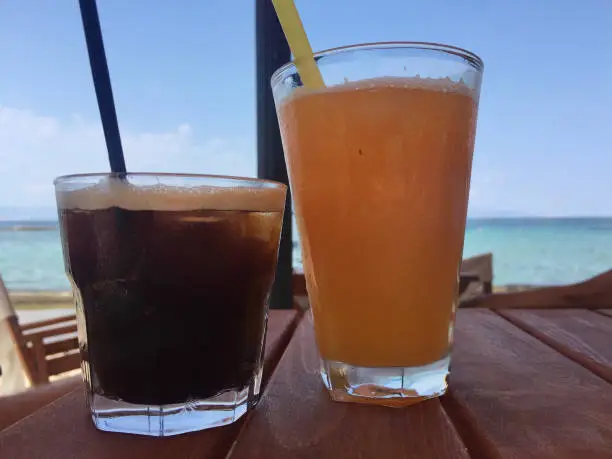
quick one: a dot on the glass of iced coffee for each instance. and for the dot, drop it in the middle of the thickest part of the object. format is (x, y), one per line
(379, 163)
(171, 276)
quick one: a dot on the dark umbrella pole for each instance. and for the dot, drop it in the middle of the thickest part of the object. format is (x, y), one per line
(272, 51)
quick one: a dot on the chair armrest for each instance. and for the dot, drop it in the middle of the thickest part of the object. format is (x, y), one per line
(48, 322)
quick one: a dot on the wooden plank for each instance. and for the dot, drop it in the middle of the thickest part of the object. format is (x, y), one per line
(18, 406)
(47, 332)
(63, 363)
(41, 375)
(514, 397)
(482, 267)
(465, 280)
(25, 354)
(64, 345)
(581, 335)
(605, 312)
(63, 428)
(48, 322)
(296, 419)
(594, 293)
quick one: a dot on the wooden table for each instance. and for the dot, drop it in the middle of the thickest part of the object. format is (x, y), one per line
(525, 384)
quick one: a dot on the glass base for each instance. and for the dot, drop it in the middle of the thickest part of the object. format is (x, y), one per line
(167, 420)
(387, 386)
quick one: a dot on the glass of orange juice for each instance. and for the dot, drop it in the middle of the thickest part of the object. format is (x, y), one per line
(379, 164)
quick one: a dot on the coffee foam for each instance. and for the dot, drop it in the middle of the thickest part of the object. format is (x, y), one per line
(119, 193)
(430, 84)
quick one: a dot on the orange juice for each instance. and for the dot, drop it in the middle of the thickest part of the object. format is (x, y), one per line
(379, 172)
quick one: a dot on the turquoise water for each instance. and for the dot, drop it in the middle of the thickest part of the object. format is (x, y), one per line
(525, 251)
(542, 251)
(32, 260)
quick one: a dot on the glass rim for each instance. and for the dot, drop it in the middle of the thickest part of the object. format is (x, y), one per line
(74, 177)
(472, 59)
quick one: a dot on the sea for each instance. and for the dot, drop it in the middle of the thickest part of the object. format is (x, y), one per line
(534, 251)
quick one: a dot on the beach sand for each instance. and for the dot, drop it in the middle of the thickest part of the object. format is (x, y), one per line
(39, 299)
(32, 306)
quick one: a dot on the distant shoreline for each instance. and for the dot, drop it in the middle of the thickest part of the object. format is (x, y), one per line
(29, 228)
(29, 225)
(40, 298)
(53, 225)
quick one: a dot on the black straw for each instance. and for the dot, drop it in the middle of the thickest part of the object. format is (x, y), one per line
(102, 84)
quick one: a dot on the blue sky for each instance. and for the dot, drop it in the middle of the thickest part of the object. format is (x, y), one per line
(184, 85)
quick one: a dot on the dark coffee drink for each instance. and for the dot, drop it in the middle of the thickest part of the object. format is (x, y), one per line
(173, 287)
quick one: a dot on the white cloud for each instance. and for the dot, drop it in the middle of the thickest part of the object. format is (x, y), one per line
(34, 149)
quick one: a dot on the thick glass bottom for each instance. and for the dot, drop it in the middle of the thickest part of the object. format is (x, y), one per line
(167, 420)
(387, 386)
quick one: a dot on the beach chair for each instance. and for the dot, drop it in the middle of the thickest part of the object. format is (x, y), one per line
(475, 279)
(33, 353)
(593, 293)
(15, 373)
(478, 269)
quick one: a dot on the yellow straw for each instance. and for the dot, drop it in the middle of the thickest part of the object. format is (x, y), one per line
(298, 42)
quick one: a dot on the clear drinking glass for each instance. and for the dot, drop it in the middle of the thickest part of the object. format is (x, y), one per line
(171, 276)
(379, 164)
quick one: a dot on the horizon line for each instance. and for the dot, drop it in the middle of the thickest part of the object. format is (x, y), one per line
(469, 217)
